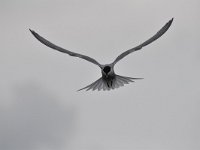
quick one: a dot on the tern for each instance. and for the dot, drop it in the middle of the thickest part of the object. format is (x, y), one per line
(109, 80)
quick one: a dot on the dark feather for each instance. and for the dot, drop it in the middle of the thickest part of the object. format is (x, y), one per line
(53, 46)
(150, 40)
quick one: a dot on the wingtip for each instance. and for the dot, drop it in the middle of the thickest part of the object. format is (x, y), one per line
(170, 21)
(168, 24)
(32, 31)
(79, 90)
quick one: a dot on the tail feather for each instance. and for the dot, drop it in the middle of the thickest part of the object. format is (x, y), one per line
(123, 80)
(116, 83)
(97, 85)
(101, 84)
(104, 87)
(121, 83)
(91, 86)
(113, 85)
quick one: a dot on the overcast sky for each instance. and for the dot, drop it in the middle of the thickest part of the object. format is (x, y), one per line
(39, 106)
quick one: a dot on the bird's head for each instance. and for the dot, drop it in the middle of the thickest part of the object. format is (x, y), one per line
(107, 70)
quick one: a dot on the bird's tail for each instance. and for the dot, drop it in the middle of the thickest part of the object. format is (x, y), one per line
(122, 80)
(104, 85)
(98, 84)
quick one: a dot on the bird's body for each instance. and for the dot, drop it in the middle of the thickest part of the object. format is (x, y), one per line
(109, 79)
(107, 71)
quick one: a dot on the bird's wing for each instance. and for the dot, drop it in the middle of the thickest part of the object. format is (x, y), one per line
(53, 46)
(150, 40)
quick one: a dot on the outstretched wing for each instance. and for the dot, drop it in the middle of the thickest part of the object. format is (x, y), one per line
(150, 40)
(53, 46)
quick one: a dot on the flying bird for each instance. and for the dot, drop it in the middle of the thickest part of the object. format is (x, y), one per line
(109, 80)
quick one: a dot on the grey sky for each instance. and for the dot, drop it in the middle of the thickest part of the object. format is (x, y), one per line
(40, 108)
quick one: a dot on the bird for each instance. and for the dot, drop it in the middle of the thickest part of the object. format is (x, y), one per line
(109, 79)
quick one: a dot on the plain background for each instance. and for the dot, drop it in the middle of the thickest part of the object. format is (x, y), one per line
(39, 106)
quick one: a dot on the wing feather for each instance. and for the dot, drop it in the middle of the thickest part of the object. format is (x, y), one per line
(53, 46)
(150, 40)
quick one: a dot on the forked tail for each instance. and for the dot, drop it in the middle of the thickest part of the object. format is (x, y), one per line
(104, 85)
